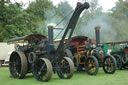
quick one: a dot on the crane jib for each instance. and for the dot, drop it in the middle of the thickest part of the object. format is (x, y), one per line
(71, 26)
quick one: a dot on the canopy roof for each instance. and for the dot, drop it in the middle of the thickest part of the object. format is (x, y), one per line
(116, 42)
(30, 38)
(79, 38)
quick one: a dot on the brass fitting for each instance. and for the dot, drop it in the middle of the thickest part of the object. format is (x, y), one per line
(97, 28)
(50, 26)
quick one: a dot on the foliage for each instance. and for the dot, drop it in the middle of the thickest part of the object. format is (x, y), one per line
(119, 18)
(15, 21)
(64, 11)
(83, 26)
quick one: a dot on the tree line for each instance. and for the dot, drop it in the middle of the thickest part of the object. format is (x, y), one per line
(15, 21)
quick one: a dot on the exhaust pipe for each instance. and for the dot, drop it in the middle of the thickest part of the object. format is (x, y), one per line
(97, 31)
(50, 34)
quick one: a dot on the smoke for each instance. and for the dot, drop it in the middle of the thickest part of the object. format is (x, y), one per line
(58, 18)
(52, 18)
(107, 33)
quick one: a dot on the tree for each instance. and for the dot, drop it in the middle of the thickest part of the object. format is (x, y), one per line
(38, 10)
(16, 21)
(65, 10)
(39, 7)
(83, 25)
(119, 18)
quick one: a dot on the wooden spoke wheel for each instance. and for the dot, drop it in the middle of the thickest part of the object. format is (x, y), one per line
(18, 65)
(91, 65)
(66, 68)
(118, 61)
(42, 70)
(109, 64)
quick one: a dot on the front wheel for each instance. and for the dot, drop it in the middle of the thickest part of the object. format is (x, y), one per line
(91, 65)
(66, 68)
(42, 70)
(109, 64)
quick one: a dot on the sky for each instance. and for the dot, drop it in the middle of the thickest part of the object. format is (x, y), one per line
(106, 4)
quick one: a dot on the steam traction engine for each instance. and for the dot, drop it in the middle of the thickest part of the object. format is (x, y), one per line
(120, 52)
(38, 56)
(87, 56)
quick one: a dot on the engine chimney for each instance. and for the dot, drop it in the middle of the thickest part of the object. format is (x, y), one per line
(97, 31)
(50, 34)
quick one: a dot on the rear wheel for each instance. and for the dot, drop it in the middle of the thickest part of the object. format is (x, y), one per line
(42, 70)
(67, 68)
(109, 64)
(91, 65)
(18, 64)
(118, 61)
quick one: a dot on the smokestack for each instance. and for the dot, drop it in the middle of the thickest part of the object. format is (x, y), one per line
(97, 31)
(50, 34)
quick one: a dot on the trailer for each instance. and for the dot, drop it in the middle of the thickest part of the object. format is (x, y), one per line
(5, 52)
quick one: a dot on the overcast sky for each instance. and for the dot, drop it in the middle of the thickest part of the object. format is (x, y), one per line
(106, 4)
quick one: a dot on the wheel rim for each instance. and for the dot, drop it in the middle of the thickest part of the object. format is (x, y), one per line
(42, 70)
(91, 66)
(18, 64)
(108, 64)
(67, 68)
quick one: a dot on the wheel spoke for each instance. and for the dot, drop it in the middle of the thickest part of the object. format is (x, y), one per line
(67, 68)
(91, 64)
(42, 70)
(109, 65)
(17, 59)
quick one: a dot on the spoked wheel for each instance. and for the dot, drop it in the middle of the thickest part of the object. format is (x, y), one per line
(18, 64)
(91, 65)
(125, 58)
(118, 61)
(66, 68)
(109, 64)
(42, 69)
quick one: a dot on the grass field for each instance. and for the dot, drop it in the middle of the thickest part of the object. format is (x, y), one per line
(80, 78)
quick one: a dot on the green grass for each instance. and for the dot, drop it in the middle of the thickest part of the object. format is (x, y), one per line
(80, 78)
